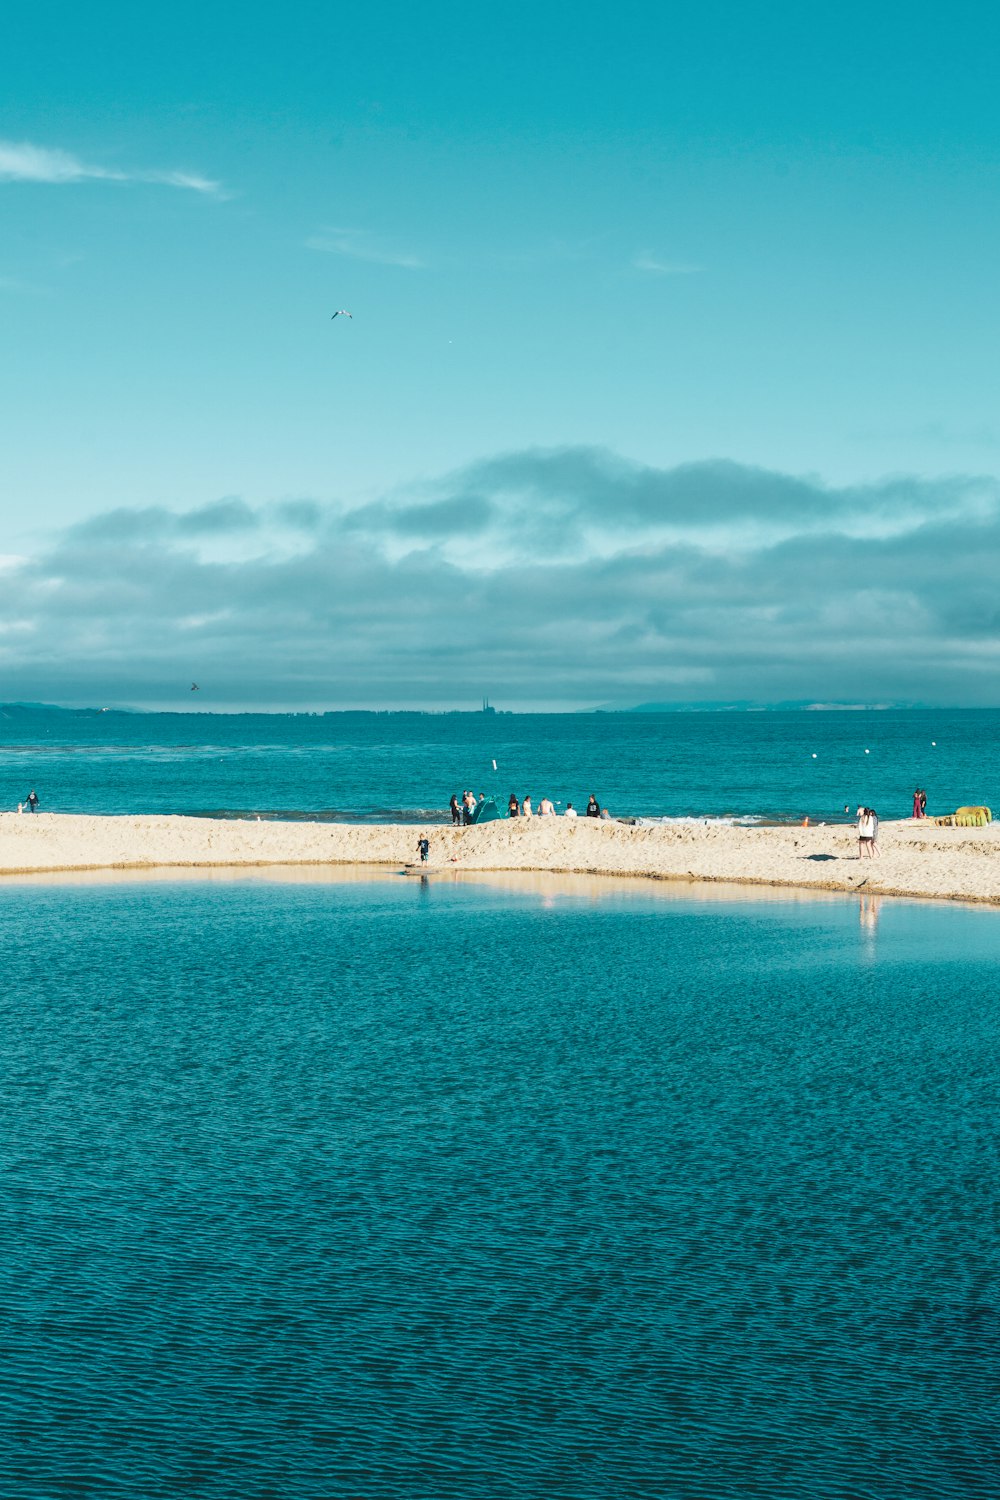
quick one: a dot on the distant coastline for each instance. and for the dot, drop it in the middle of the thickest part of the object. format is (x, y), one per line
(18, 708)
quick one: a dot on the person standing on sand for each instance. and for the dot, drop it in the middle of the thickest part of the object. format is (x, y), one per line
(923, 804)
(917, 811)
(593, 811)
(868, 833)
(456, 811)
(513, 807)
(423, 849)
(32, 802)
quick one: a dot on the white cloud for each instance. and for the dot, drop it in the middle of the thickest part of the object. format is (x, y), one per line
(15, 284)
(645, 261)
(360, 245)
(189, 180)
(20, 161)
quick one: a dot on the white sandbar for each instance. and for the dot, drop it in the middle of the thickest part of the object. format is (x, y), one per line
(918, 858)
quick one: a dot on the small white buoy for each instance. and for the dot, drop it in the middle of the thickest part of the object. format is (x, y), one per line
(494, 765)
(867, 752)
(933, 742)
(814, 755)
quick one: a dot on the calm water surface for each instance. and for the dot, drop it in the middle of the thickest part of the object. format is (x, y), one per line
(426, 1191)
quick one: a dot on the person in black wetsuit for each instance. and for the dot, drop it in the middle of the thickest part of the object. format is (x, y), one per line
(456, 811)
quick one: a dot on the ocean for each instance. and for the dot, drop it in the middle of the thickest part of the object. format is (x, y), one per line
(447, 1189)
(403, 767)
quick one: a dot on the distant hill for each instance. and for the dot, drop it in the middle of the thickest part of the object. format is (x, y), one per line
(749, 705)
(23, 710)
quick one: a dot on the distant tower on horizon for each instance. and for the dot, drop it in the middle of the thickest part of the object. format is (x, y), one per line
(486, 707)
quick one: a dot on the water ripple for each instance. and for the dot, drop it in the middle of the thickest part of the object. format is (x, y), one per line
(326, 1191)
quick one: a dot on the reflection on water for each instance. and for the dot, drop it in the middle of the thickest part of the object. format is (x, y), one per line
(553, 887)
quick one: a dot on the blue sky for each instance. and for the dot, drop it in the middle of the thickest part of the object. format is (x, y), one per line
(589, 254)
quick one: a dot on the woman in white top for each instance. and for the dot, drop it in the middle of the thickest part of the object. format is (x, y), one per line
(867, 833)
(526, 806)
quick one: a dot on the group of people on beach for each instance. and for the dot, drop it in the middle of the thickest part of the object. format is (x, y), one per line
(464, 811)
(524, 809)
(868, 825)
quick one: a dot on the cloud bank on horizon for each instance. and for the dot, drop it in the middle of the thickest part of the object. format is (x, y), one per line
(545, 578)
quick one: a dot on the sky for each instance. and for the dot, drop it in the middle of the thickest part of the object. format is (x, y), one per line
(670, 375)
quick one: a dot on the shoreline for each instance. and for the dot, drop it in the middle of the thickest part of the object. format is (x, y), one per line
(919, 860)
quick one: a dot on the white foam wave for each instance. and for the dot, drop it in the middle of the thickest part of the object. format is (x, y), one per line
(729, 820)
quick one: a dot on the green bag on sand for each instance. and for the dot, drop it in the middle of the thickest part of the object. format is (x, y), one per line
(972, 817)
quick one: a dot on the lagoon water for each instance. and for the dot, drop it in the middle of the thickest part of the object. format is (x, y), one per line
(420, 1190)
(403, 767)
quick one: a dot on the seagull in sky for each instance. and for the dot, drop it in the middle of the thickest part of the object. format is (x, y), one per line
(341, 313)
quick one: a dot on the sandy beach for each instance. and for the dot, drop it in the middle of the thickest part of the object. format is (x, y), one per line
(918, 859)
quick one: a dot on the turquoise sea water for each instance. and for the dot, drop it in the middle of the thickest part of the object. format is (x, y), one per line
(423, 1190)
(405, 766)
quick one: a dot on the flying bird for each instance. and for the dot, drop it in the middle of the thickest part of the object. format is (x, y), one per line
(195, 688)
(341, 313)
